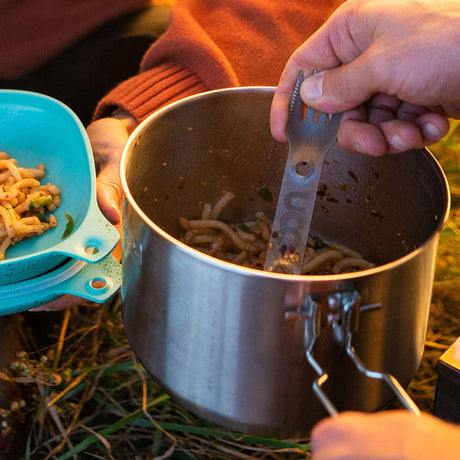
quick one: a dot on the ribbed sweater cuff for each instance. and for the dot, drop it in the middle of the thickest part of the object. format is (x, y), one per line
(150, 90)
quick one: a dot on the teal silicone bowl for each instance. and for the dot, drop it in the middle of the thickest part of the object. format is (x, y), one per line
(34, 129)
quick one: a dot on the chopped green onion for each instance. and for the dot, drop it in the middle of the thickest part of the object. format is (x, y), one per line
(243, 226)
(70, 224)
(41, 217)
(265, 193)
(41, 201)
(319, 243)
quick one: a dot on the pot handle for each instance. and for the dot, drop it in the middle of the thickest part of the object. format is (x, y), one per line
(348, 308)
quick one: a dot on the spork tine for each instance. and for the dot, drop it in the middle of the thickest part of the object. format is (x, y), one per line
(309, 138)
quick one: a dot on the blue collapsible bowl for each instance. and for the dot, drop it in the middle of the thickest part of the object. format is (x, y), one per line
(95, 282)
(34, 129)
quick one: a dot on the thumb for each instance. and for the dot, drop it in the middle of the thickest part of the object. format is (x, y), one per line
(109, 199)
(109, 192)
(338, 89)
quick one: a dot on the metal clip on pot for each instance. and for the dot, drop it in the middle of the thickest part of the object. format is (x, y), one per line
(344, 314)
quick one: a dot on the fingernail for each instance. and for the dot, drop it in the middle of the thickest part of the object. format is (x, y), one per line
(399, 143)
(312, 87)
(358, 148)
(116, 207)
(116, 211)
(38, 309)
(431, 131)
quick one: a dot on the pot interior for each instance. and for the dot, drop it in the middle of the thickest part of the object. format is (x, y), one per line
(191, 151)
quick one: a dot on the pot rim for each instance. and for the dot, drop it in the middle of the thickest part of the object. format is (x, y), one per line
(228, 266)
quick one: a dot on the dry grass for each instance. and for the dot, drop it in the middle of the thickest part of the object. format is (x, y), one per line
(88, 397)
(444, 323)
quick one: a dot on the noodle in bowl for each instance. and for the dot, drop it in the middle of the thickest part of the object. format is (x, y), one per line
(228, 341)
(23, 203)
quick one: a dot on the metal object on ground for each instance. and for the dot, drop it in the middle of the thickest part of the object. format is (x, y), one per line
(447, 398)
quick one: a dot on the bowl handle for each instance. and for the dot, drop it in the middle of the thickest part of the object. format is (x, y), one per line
(94, 282)
(93, 240)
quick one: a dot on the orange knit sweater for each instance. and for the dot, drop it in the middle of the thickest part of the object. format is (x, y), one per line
(212, 44)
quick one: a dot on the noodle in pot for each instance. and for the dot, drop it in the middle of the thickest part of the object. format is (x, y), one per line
(246, 243)
(24, 202)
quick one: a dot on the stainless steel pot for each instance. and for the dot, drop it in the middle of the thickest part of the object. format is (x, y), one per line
(230, 343)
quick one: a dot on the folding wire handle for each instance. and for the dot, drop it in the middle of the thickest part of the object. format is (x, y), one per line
(348, 311)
